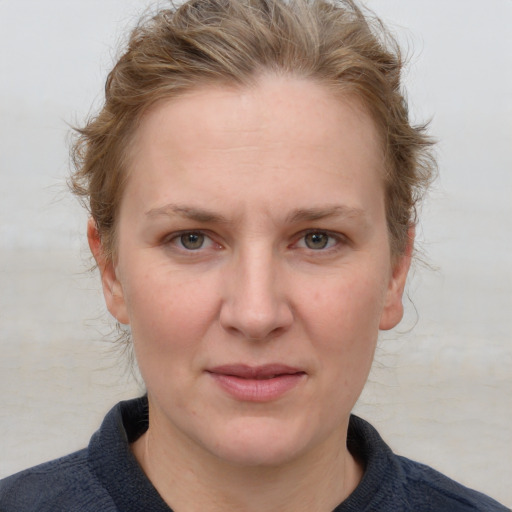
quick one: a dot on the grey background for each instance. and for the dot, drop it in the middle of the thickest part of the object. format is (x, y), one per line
(441, 388)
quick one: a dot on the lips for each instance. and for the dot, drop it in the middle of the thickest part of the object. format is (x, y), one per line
(257, 383)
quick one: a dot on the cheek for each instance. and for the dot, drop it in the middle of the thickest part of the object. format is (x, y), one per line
(350, 305)
(343, 322)
(169, 313)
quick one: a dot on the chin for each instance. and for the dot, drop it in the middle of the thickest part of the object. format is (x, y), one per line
(258, 442)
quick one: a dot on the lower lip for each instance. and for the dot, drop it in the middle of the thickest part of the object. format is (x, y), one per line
(258, 390)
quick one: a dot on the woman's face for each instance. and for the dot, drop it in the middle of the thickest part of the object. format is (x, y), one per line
(254, 267)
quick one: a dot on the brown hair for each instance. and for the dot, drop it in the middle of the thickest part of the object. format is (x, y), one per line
(233, 42)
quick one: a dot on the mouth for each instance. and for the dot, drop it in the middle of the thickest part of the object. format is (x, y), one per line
(265, 372)
(257, 383)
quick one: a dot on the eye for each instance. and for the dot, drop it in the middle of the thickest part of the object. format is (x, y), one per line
(317, 240)
(192, 240)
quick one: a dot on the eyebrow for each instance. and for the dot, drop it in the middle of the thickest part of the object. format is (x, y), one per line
(312, 214)
(192, 213)
(299, 215)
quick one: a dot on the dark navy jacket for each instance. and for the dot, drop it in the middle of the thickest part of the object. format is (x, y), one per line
(105, 477)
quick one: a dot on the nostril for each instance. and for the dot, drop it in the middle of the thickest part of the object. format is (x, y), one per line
(256, 327)
(254, 305)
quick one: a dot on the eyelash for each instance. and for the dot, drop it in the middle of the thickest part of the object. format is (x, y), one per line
(176, 239)
(334, 241)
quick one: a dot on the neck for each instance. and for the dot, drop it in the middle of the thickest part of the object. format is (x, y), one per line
(190, 480)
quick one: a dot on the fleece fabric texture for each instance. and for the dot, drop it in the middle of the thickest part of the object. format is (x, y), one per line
(106, 477)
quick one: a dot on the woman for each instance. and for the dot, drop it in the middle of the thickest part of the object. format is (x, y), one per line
(252, 181)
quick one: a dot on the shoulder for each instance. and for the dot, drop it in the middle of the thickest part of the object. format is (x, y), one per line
(65, 484)
(89, 480)
(398, 484)
(435, 491)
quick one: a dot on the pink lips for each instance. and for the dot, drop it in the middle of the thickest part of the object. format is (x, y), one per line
(258, 383)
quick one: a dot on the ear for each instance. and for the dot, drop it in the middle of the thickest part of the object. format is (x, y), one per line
(112, 289)
(393, 310)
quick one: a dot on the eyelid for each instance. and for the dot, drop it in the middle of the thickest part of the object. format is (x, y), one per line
(176, 235)
(339, 238)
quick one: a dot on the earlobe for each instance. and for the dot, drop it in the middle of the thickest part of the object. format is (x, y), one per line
(393, 310)
(112, 288)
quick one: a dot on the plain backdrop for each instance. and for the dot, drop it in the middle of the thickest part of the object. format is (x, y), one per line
(441, 388)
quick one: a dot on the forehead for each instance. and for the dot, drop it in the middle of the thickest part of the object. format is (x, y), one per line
(286, 131)
(272, 106)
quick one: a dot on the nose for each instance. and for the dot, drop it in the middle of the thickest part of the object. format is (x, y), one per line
(255, 304)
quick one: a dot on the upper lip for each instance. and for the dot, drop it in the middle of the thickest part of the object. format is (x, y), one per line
(265, 371)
